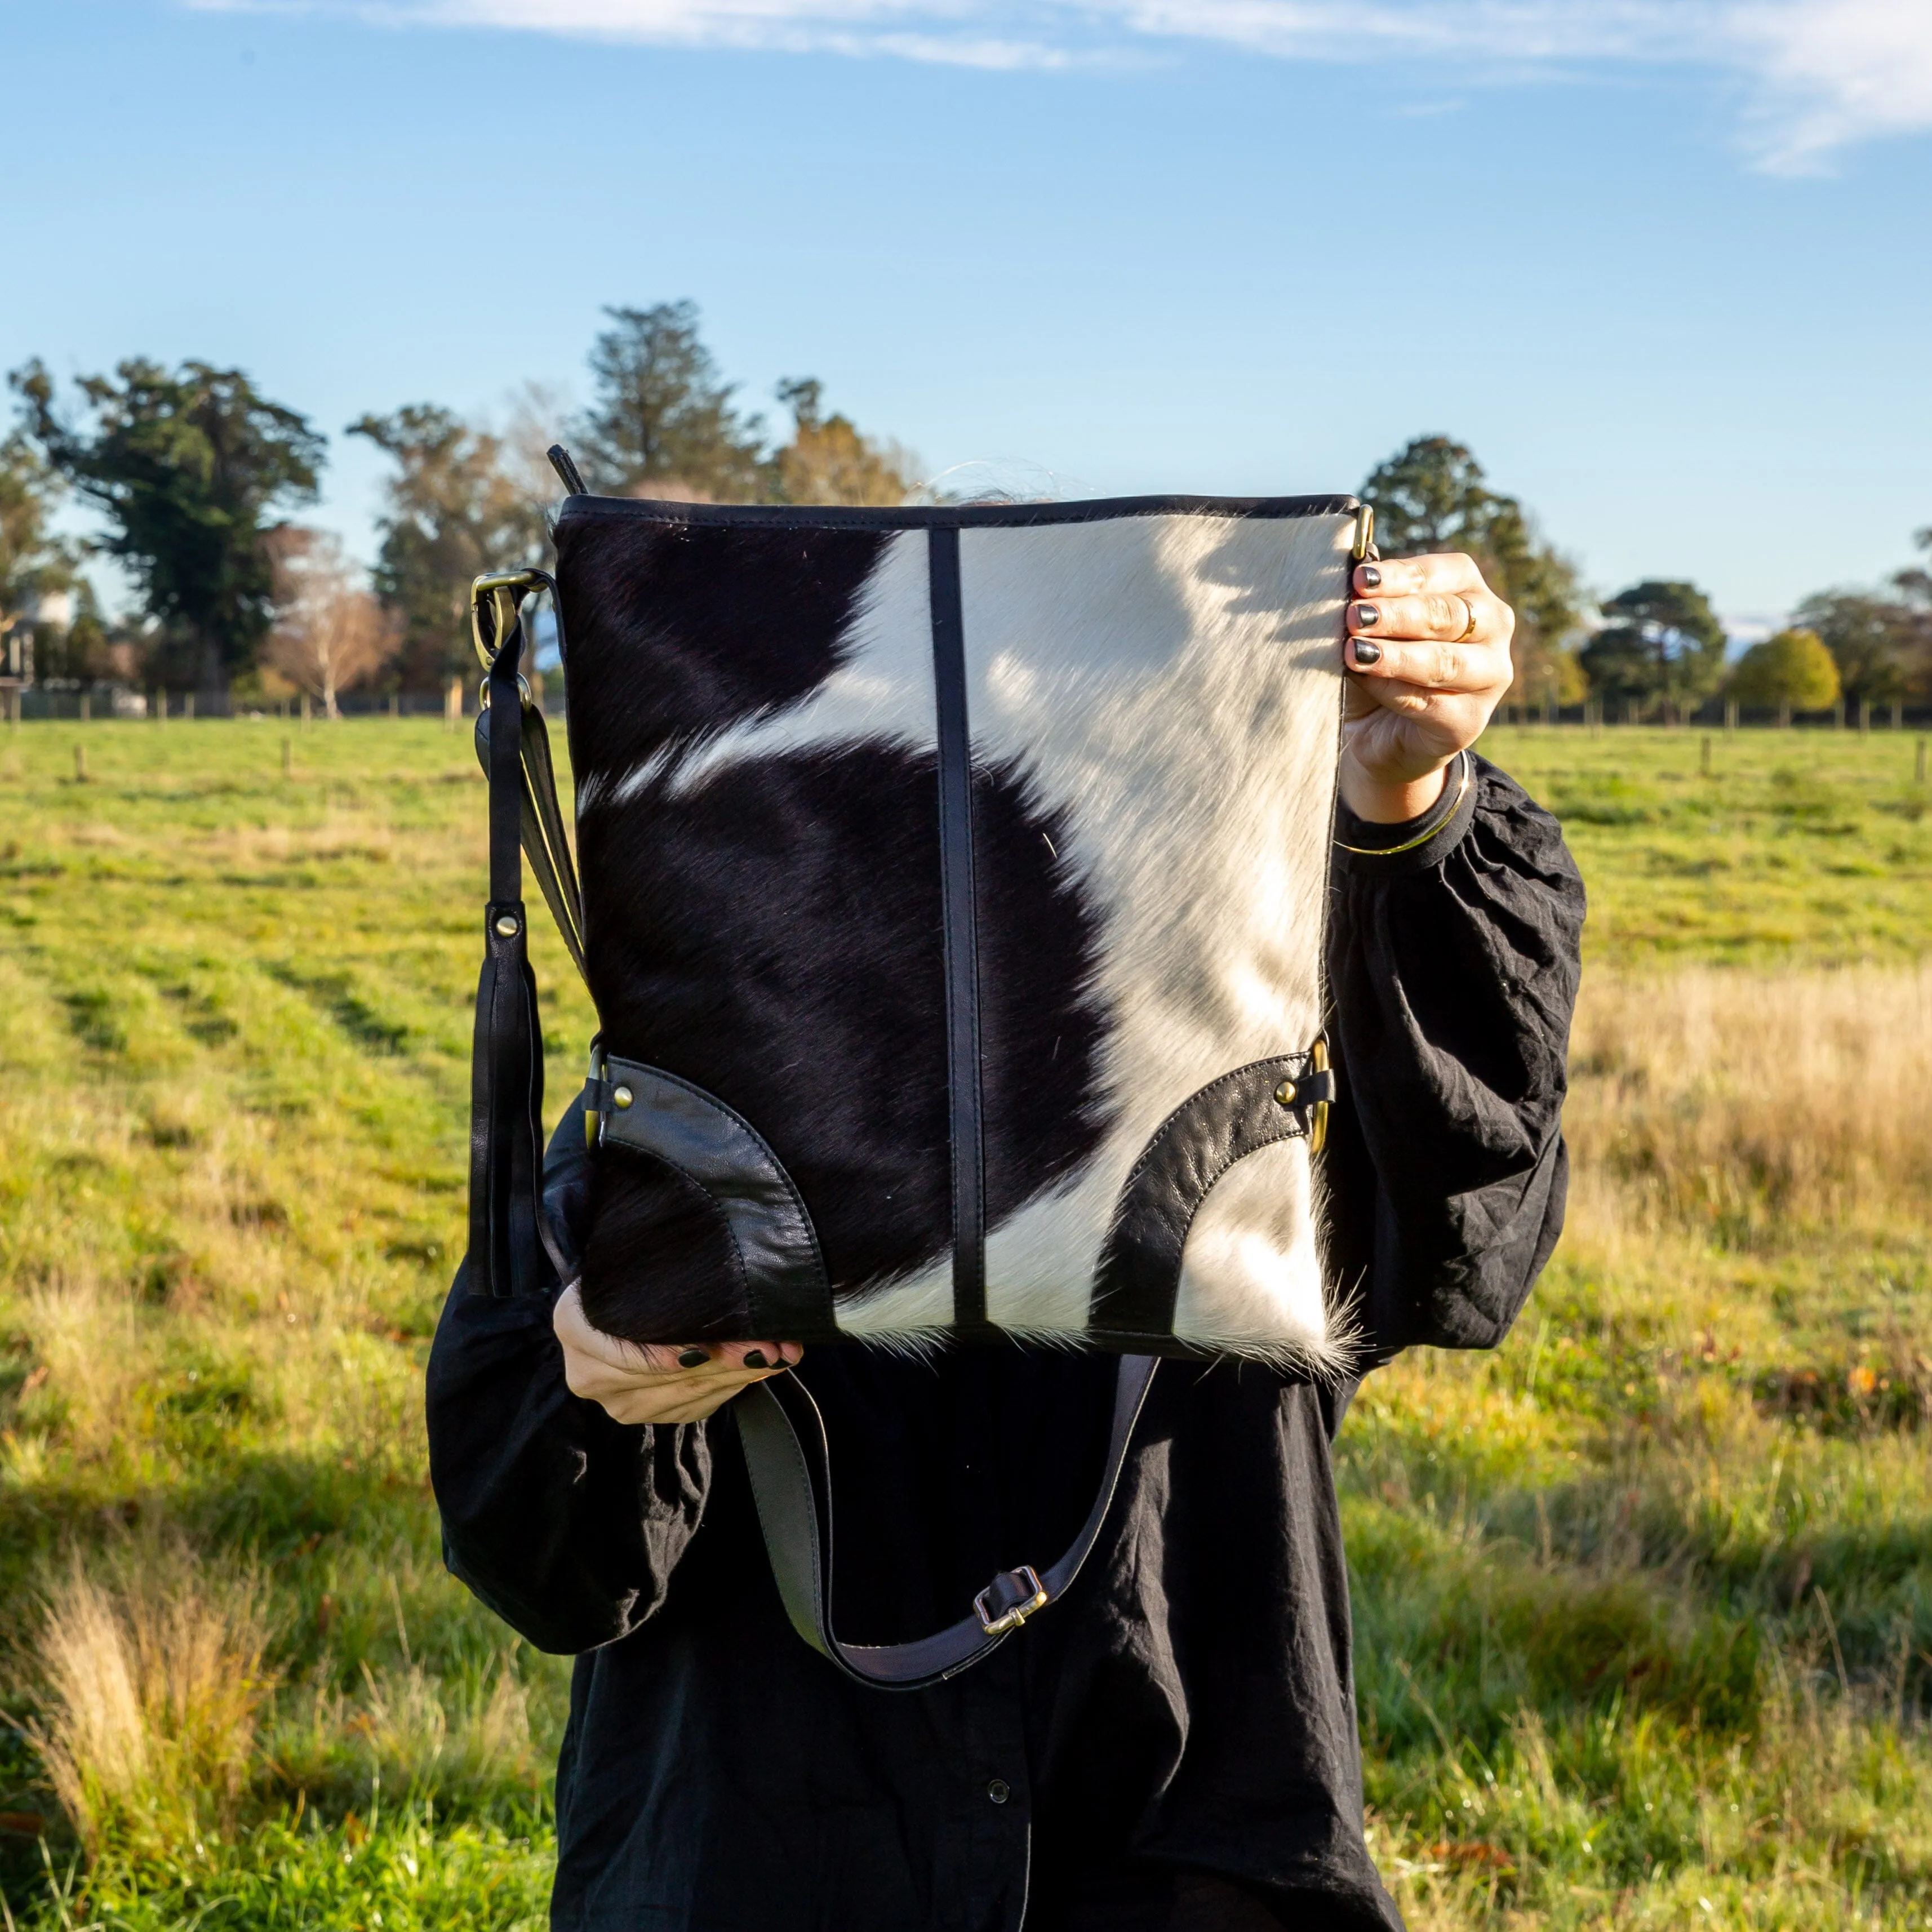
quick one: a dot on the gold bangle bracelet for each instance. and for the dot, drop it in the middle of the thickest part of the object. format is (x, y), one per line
(1421, 837)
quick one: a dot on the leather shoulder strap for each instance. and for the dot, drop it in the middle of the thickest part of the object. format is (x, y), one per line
(783, 1439)
(512, 1249)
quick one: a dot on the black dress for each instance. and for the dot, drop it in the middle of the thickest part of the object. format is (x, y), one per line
(1175, 1745)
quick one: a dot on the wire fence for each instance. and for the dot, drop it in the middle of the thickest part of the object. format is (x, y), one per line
(77, 704)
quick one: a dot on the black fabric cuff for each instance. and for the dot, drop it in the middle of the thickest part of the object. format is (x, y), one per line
(1416, 845)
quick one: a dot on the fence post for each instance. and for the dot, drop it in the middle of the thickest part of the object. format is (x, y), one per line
(452, 705)
(1784, 715)
(395, 704)
(305, 714)
(1864, 717)
(80, 764)
(288, 758)
(1730, 716)
(1898, 714)
(1704, 756)
(1919, 765)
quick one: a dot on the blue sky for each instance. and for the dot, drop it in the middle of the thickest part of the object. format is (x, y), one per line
(1664, 268)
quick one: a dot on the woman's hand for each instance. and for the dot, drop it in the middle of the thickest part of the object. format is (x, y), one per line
(636, 1383)
(1429, 646)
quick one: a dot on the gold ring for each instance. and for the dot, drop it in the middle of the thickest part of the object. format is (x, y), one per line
(1469, 628)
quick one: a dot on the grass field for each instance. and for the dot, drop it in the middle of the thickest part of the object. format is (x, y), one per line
(1643, 1599)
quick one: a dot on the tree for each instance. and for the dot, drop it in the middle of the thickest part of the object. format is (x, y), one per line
(91, 650)
(1876, 640)
(1915, 583)
(456, 508)
(330, 634)
(1663, 645)
(829, 461)
(190, 468)
(1433, 495)
(1792, 670)
(34, 563)
(662, 423)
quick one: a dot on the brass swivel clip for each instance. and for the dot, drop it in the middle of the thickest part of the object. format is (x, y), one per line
(503, 591)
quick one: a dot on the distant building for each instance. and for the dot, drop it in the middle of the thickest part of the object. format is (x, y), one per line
(53, 610)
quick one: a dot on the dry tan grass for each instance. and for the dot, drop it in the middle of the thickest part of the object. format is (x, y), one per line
(1748, 1103)
(152, 1676)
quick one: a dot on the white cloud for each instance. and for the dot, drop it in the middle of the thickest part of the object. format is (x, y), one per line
(1818, 74)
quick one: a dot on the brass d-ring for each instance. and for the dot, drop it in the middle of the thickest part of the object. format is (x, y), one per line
(505, 590)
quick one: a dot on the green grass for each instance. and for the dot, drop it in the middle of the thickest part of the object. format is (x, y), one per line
(1643, 1600)
(1794, 845)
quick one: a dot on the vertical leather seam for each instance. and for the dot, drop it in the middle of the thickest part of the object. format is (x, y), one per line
(953, 739)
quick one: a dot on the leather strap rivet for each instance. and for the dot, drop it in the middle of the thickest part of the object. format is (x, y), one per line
(1284, 1094)
(506, 927)
(621, 1097)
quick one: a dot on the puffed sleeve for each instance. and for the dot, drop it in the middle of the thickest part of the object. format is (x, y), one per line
(566, 1524)
(1453, 953)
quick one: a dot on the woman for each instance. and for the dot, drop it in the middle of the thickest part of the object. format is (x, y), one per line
(1174, 1746)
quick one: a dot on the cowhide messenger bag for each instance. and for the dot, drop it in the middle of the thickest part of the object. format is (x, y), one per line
(953, 905)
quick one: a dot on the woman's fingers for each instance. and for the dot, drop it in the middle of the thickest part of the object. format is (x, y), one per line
(1450, 615)
(643, 1381)
(1445, 571)
(1421, 626)
(1429, 666)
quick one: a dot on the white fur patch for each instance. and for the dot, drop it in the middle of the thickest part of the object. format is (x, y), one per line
(1170, 684)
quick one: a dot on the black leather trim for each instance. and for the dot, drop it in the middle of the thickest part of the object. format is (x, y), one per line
(719, 1150)
(960, 917)
(567, 473)
(1139, 1274)
(783, 1436)
(972, 516)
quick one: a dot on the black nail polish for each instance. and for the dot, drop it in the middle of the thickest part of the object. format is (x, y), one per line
(693, 1358)
(1366, 653)
(1370, 577)
(755, 1358)
(1366, 614)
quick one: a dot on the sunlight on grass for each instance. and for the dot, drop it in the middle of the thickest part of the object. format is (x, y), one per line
(1643, 1599)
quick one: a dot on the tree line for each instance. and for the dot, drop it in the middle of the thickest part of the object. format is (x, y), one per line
(199, 481)
(1658, 646)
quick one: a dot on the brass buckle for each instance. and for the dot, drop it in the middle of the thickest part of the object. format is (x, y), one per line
(1011, 1619)
(1317, 1115)
(505, 590)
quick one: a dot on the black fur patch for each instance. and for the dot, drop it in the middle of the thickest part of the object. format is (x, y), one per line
(659, 1265)
(774, 936)
(675, 629)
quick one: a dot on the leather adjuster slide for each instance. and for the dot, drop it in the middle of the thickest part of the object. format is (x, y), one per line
(1008, 1599)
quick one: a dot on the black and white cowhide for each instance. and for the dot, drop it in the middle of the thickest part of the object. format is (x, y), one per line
(1152, 688)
